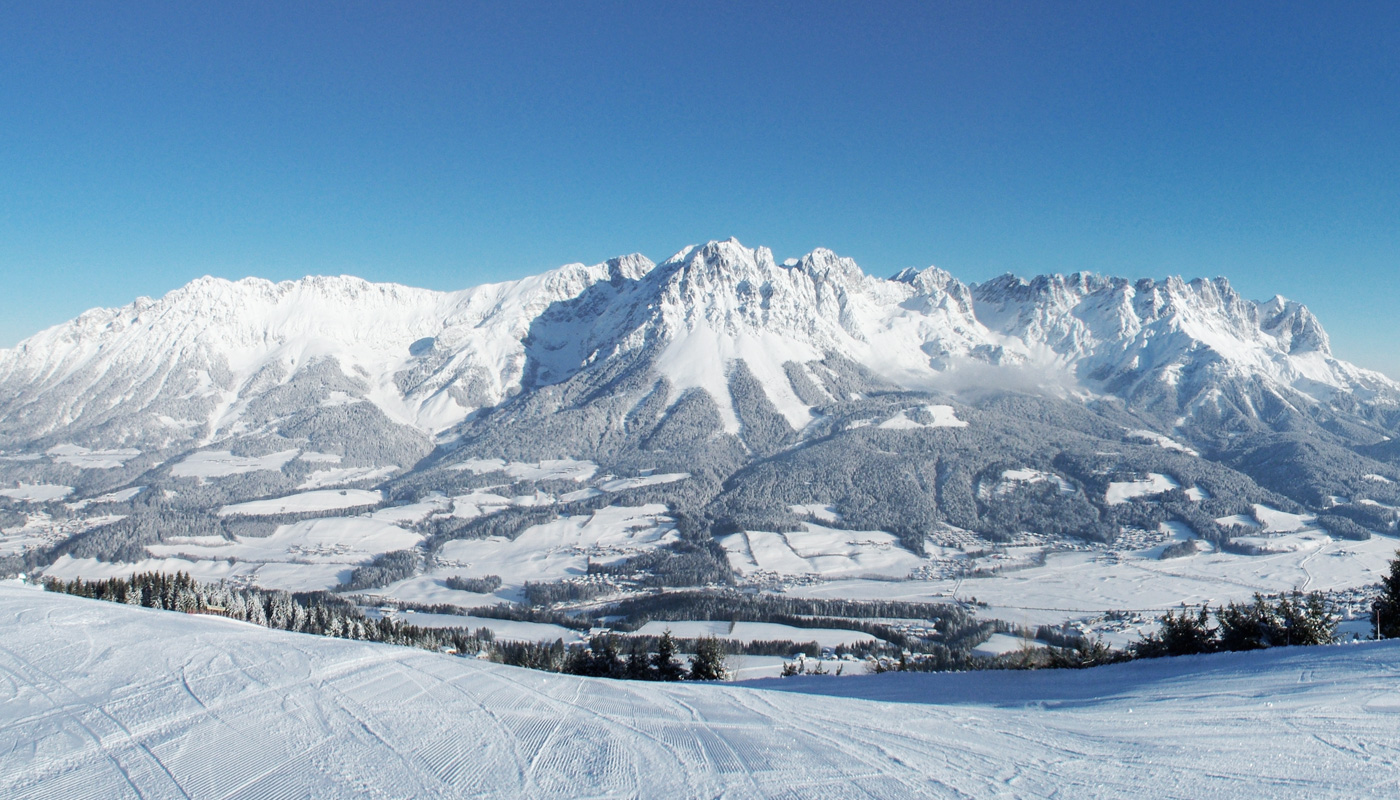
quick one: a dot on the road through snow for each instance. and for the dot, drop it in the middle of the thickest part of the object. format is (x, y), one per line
(99, 700)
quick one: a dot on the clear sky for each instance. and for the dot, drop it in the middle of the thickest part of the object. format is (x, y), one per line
(444, 145)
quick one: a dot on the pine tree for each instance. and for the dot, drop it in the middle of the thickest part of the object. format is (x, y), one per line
(1244, 627)
(1307, 620)
(708, 662)
(637, 667)
(1186, 634)
(664, 662)
(1385, 612)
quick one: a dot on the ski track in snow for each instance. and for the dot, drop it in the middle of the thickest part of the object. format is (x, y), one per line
(99, 700)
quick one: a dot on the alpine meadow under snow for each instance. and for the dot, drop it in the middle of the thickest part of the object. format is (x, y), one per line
(790, 457)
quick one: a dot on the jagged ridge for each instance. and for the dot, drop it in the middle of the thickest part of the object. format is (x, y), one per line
(191, 365)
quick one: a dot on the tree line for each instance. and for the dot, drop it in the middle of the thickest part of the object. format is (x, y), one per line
(324, 614)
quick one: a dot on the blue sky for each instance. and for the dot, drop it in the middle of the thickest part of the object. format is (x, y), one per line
(144, 144)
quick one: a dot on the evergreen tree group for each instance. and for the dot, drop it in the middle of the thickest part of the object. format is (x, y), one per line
(325, 614)
(318, 613)
(1289, 619)
(603, 658)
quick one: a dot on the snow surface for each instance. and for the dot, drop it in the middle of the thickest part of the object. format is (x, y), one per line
(119, 496)
(1281, 521)
(1165, 442)
(1154, 483)
(754, 632)
(323, 500)
(1239, 519)
(291, 576)
(999, 644)
(106, 701)
(556, 470)
(1083, 585)
(821, 512)
(413, 512)
(819, 550)
(335, 540)
(221, 463)
(563, 547)
(622, 484)
(342, 475)
(943, 417)
(37, 493)
(1012, 477)
(83, 458)
(1301, 542)
(506, 629)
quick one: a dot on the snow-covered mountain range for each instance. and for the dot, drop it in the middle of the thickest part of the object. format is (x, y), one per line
(717, 417)
(196, 365)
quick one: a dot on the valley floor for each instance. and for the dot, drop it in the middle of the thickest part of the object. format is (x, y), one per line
(99, 700)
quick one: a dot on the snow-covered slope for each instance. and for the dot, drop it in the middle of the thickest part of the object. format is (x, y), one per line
(106, 701)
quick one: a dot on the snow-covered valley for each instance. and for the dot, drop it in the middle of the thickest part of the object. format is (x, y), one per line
(106, 701)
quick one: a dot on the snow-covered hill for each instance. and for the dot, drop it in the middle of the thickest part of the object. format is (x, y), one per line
(107, 701)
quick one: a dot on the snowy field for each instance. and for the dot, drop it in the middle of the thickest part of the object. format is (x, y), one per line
(300, 557)
(999, 644)
(561, 548)
(622, 484)
(556, 470)
(1154, 483)
(83, 458)
(318, 553)
(104, 701)
(1013, 479)
(222, 463)
(1083, 585)
(323, 500)
(819, 550)
(938, 417)
(36, 493)
(342, 475)
(754, 632)
(341, 540)
(293, 577)
(119, 496)
(1164, 442)
(507, 629)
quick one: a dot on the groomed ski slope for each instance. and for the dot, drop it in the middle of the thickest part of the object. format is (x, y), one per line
(99, 700)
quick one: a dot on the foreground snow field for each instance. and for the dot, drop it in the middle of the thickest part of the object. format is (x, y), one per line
(99, 700)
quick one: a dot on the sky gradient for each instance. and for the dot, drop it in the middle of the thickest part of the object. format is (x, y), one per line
(143, 145)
